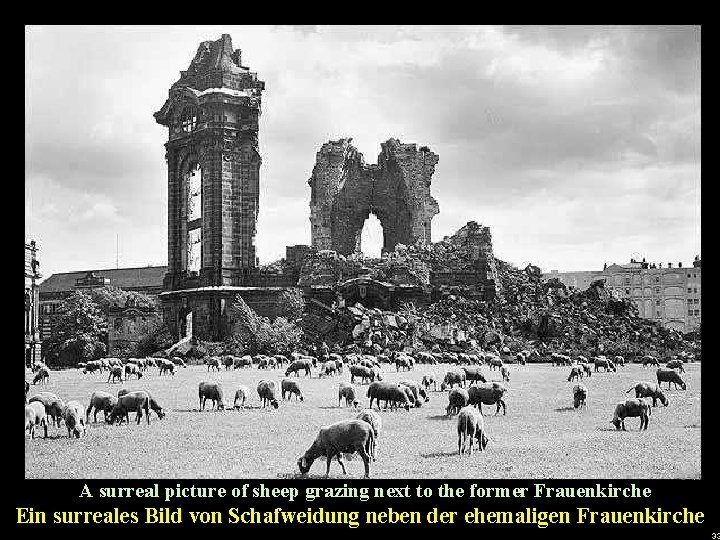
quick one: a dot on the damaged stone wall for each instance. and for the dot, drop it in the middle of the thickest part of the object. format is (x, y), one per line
(345, 191)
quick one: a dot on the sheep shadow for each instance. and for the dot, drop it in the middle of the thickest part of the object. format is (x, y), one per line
(692, 426)
(438, 455)
(439, 417)
(565, 409)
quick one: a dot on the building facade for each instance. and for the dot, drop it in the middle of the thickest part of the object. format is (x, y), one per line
(669, 296)
(32, 304)
(57, 287)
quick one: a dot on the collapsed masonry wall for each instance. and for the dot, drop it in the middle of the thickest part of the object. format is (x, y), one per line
(345, 191)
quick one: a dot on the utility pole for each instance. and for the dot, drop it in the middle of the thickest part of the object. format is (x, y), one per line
(117, 251)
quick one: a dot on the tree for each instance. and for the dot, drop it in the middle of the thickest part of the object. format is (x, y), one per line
(259, 335)
(158, 339)
(81, 333)
(291, 304)
(110, 295)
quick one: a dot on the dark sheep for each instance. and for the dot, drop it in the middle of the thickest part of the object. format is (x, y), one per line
(344, 437)
(100, 401)
(474, 374)
(488, 394)
(429, 379)
(347, 392)
(648, 360)
(505, 372)
(644, 389)
(299, 365)
(178, 361)
(457, 399)
(213, 363)
(418, 392)
(676, 364)
(580, 396)
(42, 376)
(362, 372)
(166, 366)
(213, 392)
(631, 408)
(470, 425)
(576, 373)
(132, 369)
(453, 377)
(137, 401)
(602, 362)
(670, 376)
(153, 404)
(290, 388)
(267, 392)
(116, 372)
(389, 393)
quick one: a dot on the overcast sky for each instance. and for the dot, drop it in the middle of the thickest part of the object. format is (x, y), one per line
(577, 146)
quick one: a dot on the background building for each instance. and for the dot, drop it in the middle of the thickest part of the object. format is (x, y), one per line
(52, 291)
(669, 295)
(32, 277)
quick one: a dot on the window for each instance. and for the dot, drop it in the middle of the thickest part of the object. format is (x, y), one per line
(688, 276)
(690, 312)
(657, 302)
(188, 120)
(695, 290)
(657, 279)
(627, 281)
(627, 291)
(657, 290)
(689, 290)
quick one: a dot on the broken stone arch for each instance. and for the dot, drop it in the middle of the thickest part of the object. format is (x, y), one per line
(345, 191)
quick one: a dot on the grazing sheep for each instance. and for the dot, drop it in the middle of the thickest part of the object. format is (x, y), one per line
(54, 406)
(347, 392)
(227, 361)
(42, 376)
(213, 392)
(242, 362)
(487, 394)
(213, 363)
(299, 365)
(580, 396)
(619, 360)
(389, 393)
(644, 389)
(116, 372)
(576, 373)
(473, 374)
(457, 399)
(74, 419)
(429, 379)
(403, 361)
(178, 361)
(505, 372)
(648, 360)
(281, 359)
(586, 368)
(35, 416)
(494, 361)
(631, 408)
(132, 369)
(344, 437)
(241, 395)
(137, 401)
(153, 404)
(453, 377)
(100, 401)
(362, 372)
(470, 424)
(375, 421)
(290, 388)
(676, 364)
(328, 368)
(166, 366)
(91, 366)
(417, 390)
(670, 376)
(268, 393)
(602, 362)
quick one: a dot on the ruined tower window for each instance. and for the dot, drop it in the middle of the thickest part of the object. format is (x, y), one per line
(194, 193)
(193, 183)
(193, 250)
(188, 119)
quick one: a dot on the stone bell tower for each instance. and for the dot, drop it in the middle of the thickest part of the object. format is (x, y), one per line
(213, 159)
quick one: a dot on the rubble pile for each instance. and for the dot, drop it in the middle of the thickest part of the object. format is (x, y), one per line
(526, 314)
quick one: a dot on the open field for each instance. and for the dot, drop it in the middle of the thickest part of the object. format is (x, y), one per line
(542, 436)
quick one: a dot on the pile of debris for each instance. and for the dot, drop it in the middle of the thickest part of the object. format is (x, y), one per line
(526, 314)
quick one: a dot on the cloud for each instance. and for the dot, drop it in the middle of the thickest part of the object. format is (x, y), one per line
(574, 144)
